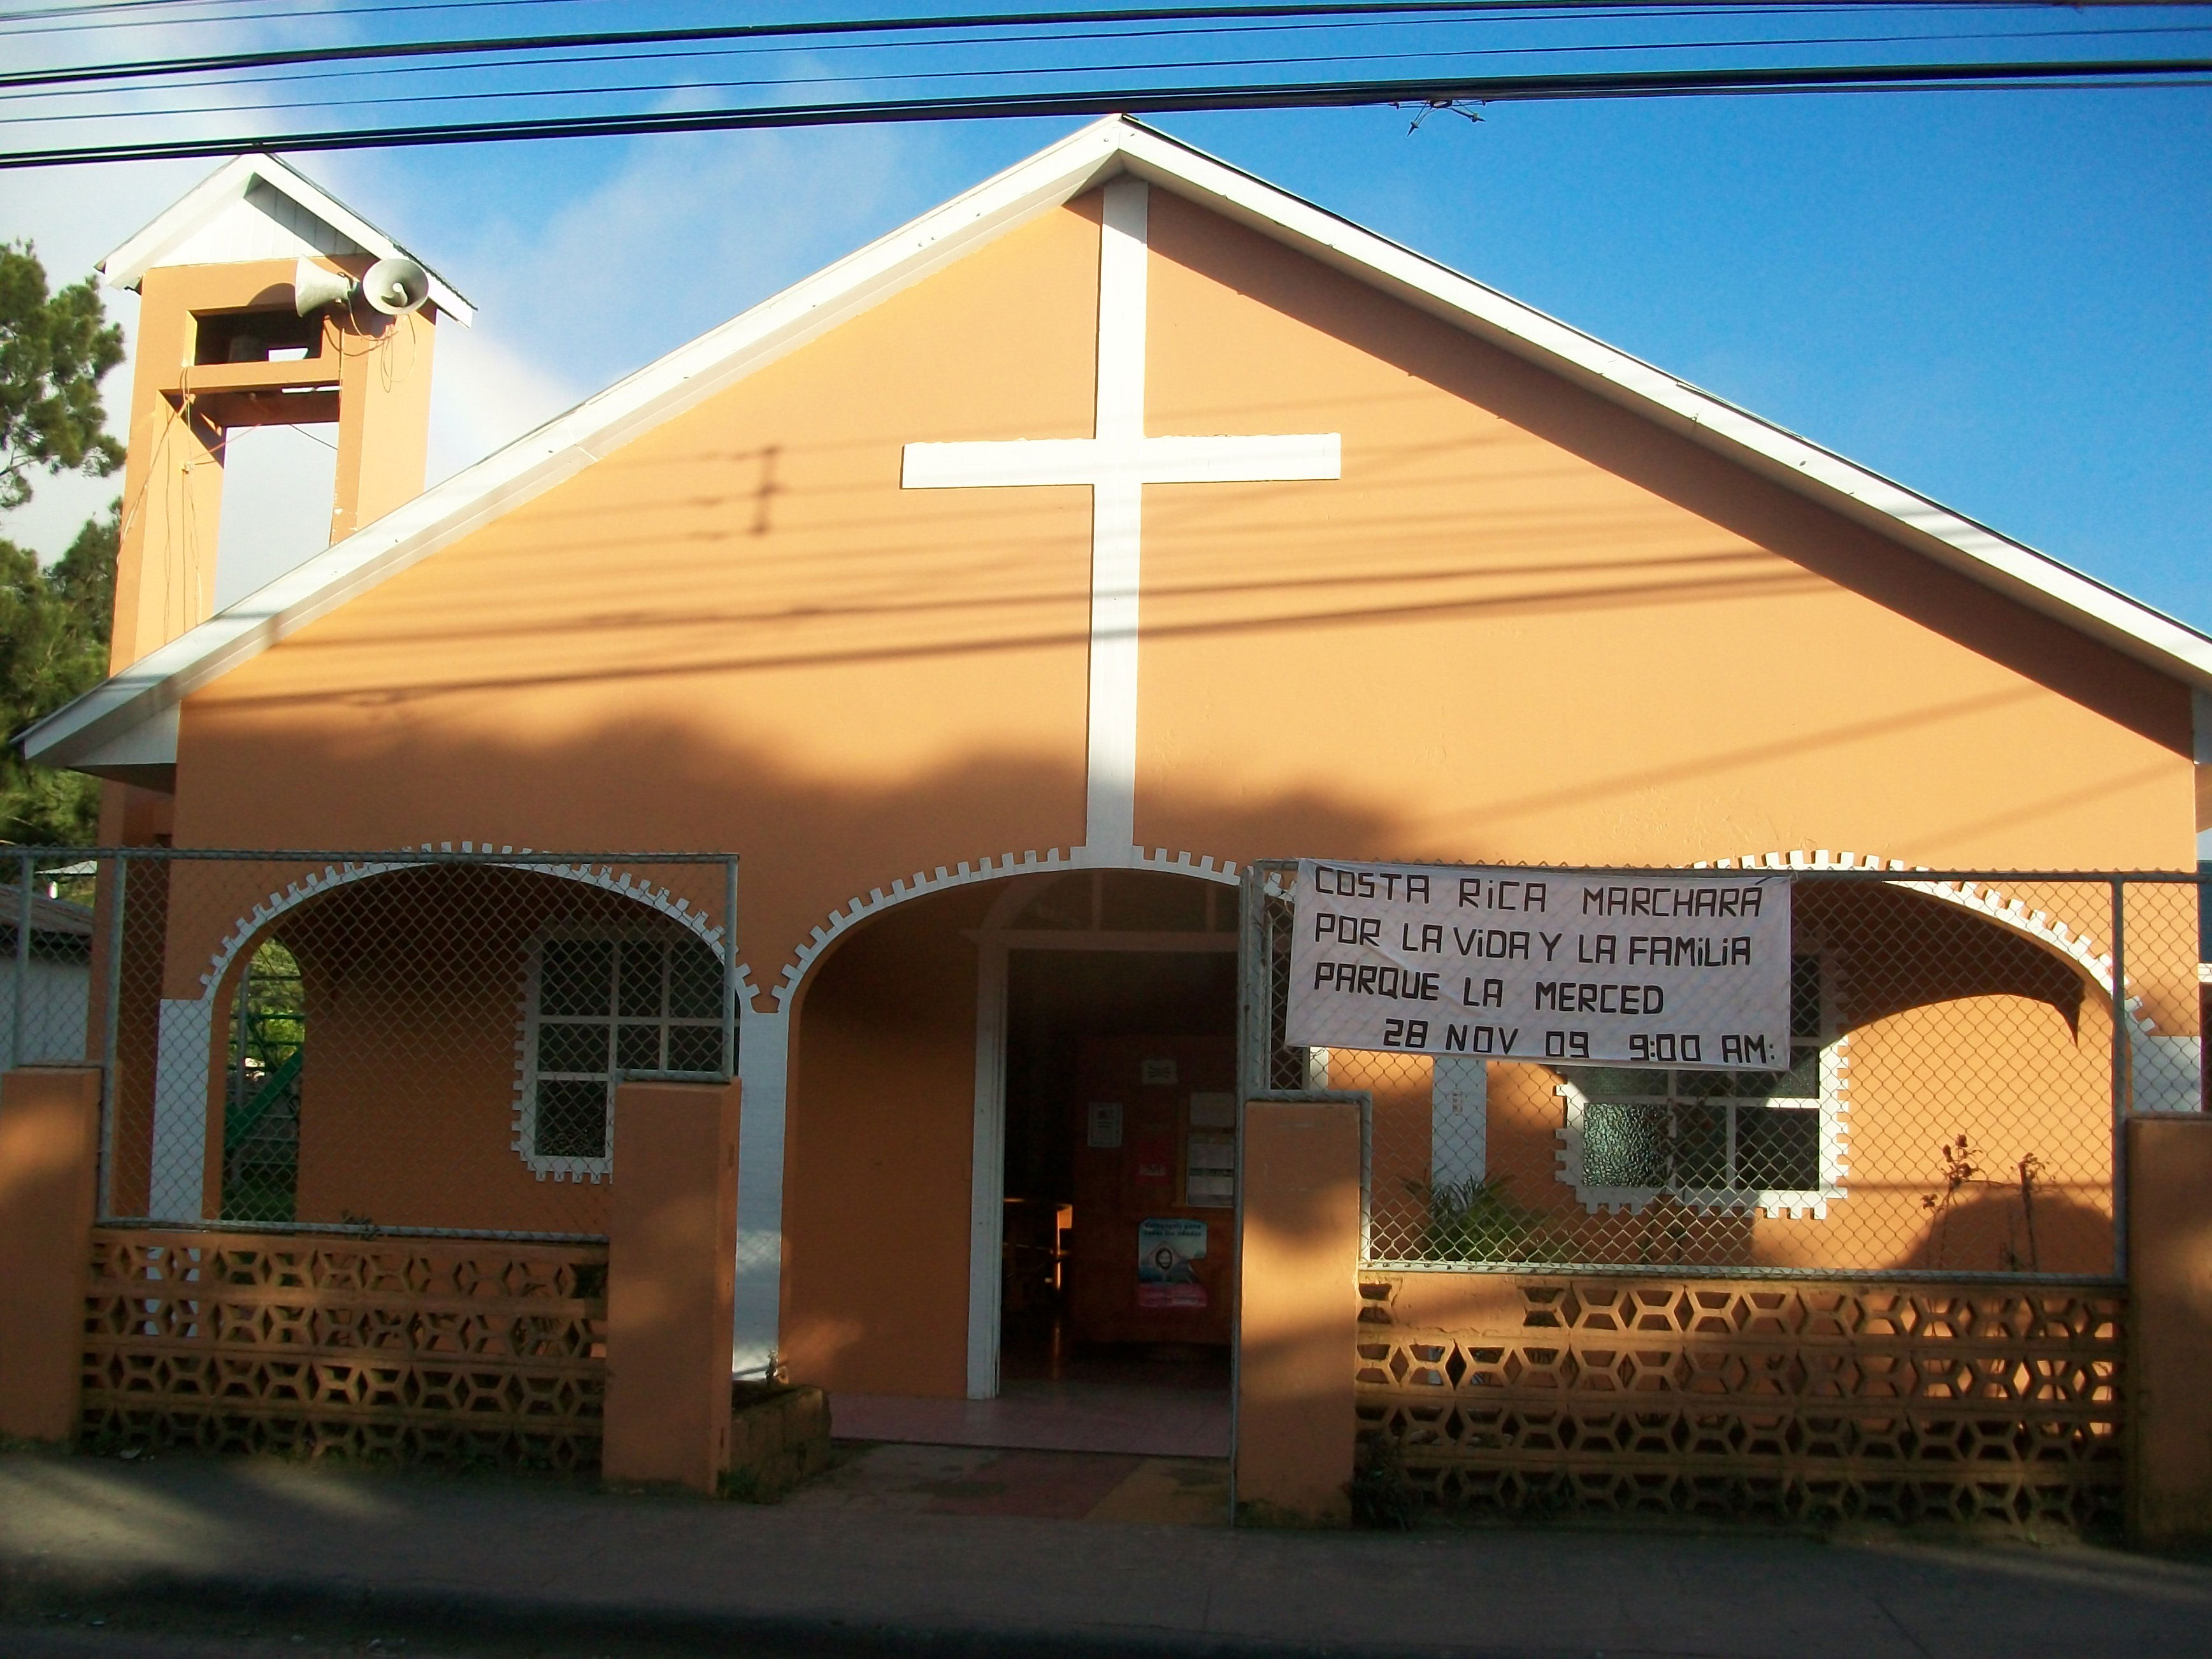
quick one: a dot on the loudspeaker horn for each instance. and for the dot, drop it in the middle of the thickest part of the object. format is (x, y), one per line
(313, 288)
(396, 286)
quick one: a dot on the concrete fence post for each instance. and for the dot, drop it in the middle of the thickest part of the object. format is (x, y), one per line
(672, 1273)
(48, 1182)
(1298, 1312)
(2169, 1405)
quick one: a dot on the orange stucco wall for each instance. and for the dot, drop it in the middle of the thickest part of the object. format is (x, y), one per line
(878, 1156)
(671, 1262)
(735, 632)
(49, 1164)
(1528, 625)
(1299, 1312)
(2169, 1330)
(1525, 624)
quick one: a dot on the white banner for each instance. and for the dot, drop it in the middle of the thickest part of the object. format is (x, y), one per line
(1596, 967)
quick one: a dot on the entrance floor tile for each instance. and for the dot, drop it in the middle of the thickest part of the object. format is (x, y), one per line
(1045, 1485)
(1132, 1418)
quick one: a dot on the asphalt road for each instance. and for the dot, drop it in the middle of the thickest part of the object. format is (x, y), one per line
(181, 1558)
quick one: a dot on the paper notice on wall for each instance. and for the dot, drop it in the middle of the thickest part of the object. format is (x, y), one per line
(1210, 1170)
(1213, 1111)
(1166, 1246)
(1103, 1124)
(1601, 967)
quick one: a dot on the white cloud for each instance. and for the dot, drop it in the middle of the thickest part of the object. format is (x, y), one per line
(689, 232)
(484, 394)
(684, 234)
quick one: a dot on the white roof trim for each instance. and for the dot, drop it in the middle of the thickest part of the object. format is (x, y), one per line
(229, 183)
(686, 376)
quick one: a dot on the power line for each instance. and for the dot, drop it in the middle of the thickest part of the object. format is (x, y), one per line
(916, 74)
(1646, 83)
(145, 69)
(106, 8)
(842, 47)
(1240, 31)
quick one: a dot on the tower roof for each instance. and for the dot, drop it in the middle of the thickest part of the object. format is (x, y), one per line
(257, 208)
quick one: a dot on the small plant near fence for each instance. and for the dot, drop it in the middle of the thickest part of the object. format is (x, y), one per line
(1474, 1220)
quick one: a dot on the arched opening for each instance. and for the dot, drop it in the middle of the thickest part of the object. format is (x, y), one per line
(993, 1088)
(1947, 1108)
(470, 1023)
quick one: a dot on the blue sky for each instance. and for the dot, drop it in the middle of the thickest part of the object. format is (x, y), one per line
(2002, 300)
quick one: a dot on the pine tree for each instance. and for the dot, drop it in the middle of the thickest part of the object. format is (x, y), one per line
(54, 349)
(54, 647)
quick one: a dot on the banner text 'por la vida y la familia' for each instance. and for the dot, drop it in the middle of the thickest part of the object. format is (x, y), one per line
(1595, 967)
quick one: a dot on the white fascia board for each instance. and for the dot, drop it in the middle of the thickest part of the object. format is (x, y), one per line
(2035, 579)
(565, 446)
(152, 742)
(129, 264)
(1086, 158)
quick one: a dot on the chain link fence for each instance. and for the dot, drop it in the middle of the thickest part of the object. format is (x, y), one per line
(424, 1042)
(1947, 1102)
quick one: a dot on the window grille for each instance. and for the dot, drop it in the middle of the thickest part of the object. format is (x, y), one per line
(600, 1008)
(1709, 1139)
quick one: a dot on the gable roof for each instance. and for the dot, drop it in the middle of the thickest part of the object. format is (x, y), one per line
(130, 721)
(257, 208)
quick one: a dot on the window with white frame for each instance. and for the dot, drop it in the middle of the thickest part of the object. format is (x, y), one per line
(1768, 1140)
(597, 1007)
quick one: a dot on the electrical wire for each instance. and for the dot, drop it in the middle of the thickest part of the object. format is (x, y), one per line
(1435, 93)
(145, 69)
(911, 76)
(701, 53)
(825, 47)
(321, 13)
(842, 47)
(38, 19)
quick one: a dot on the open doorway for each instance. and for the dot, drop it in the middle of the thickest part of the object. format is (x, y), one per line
(1087, 980)
(1118, 1265)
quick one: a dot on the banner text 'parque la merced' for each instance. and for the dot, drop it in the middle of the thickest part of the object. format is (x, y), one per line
(1597, 967)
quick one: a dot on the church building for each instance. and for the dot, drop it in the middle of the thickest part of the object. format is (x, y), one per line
(997, 597)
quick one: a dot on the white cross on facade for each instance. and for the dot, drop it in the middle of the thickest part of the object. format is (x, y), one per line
(1117, 461)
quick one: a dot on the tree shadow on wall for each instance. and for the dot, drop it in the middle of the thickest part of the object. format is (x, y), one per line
(1992, 1231)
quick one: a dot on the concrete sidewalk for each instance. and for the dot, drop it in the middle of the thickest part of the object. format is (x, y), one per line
(439, 1554)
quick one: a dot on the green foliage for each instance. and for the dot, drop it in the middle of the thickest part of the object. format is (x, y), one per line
(1473, 1220)
(261, 1116)
(54, 347)
(744, 1485)
(1383, 1494)
(54, 647)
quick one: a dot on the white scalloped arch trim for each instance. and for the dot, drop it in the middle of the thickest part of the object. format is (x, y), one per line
(1053, 859)
(1985, 901)
(332, 877)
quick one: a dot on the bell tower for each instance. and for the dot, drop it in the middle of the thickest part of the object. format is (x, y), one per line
(262, 302)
